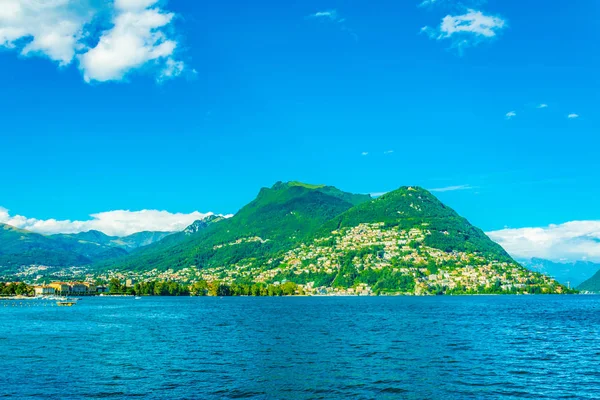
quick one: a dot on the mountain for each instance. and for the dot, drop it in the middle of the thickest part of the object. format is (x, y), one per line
(279, 216)
(330, 241)
(592, 284)
(128, 243)
(413, 207)
(569, 273)
(20, 247)
(202, 224)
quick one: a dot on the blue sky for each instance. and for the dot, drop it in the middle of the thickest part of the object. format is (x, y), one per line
(214, 100)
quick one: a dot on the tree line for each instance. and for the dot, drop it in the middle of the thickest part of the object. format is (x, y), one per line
(15, 289)
(203, 288)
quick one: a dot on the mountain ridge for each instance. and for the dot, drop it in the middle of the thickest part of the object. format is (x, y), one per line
(592, 284)
(568, 273)
(405, 241)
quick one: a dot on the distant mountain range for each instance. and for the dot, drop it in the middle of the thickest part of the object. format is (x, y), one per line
(571, 273)
(318, 236)
(20, 247)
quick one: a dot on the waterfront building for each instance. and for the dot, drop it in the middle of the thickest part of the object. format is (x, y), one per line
(43, 290)
(73, 288)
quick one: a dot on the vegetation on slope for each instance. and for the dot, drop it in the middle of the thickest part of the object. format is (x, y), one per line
(20, 247)
(592, 284)
(414, 207)
(277, 218)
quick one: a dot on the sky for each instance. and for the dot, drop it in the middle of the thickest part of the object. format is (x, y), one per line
(179, 108)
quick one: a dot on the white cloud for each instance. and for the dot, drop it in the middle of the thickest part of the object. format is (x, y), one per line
(543, 105)
(136, 38)
(330, 15)
(511, 114)
(573, 116)
(467, 29)
(364, 153)
(114, 223)
(134, 5)
(61, 30)
(52, 28)
(574, 240)
(452, 188)
(388, 152)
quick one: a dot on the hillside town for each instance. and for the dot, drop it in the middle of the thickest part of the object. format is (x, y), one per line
(367, 250)
(375, 247)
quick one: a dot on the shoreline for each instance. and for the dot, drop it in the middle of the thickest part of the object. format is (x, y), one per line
(27, 298)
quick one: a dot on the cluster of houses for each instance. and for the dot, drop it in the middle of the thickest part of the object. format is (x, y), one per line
(403, 251)
(69, 289)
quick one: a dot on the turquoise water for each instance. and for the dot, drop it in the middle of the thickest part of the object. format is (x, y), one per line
(304, 348)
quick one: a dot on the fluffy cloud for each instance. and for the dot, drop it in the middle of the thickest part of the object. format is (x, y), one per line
(511, 114)
(114, 223)
(466, 30)
(61, 30)
(573, 116)
(136, 38)
(53, 28)
(574, 240)
(543, 105)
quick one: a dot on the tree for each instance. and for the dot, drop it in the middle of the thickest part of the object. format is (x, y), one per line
(115, 286)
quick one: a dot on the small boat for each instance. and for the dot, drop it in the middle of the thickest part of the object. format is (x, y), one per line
(138, 298)
(66, 303)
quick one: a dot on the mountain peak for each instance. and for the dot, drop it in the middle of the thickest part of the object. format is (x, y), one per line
(200, 224)
(286, 185)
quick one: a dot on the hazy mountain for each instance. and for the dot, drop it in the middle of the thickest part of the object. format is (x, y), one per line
(128, 243)
(20, 247)
(592, 284)
(568, 273)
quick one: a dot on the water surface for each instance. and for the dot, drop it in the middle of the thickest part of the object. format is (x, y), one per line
(304, 348)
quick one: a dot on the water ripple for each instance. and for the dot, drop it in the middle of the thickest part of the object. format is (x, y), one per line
(514, 347)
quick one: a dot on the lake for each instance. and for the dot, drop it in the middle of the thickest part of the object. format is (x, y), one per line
(303, 348)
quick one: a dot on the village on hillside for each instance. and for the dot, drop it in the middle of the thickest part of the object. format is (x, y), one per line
(368, 259)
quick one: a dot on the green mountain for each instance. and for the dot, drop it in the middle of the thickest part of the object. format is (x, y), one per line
(20, 247)
(413, 207)
(329, 241)
(157, 250)
(128, 243)
(592, 284)
(279, 216)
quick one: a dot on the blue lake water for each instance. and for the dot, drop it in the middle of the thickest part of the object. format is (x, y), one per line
(304, 348)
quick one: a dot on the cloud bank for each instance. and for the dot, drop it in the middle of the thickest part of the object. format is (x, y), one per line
(576, 240)
(108, 40)
(113, 223)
